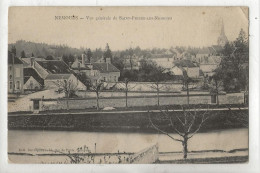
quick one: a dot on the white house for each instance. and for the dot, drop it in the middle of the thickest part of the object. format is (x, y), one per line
(53, 81)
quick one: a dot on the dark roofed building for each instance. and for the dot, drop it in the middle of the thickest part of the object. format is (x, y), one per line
(58, 76)
(30, 72)
(105, 67)
(46, 67)
(55, 66)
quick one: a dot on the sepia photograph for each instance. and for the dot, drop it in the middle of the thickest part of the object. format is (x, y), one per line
(128, 85)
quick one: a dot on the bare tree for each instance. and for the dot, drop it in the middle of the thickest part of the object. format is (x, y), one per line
(68, 87)
(240, 116)
(125, 85)
(97, 87)
(157, 86)
(185, 125)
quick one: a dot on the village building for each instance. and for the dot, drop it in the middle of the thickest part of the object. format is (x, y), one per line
(209, 58)
(53, 81)
(192, 69)
(54, 71)
(28, 62)
(15, 73)
(167, 59)
(132, 62)
(46, 67)
(32, 80)
(96, 71)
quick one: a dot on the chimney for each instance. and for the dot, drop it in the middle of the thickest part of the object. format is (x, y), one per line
(32, 61)
(108, 60)
(90, 66)
(83, 60)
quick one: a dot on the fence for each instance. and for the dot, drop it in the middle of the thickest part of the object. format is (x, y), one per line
(146, 156)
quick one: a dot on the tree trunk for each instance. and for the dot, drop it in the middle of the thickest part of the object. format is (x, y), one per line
(188, 94)
(126, 99)
(158, 99)
(67, 103)
(97, 101)
(185, 147)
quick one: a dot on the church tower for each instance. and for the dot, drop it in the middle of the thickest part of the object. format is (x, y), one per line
(222, 39)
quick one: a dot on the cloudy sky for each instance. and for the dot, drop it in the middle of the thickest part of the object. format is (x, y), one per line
(189, 26)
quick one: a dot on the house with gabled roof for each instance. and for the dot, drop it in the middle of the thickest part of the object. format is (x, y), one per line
(32, 80)
(52, 81)
(53, 71)
(97, 71)
(106, 71)
(192, 69)
(46, 67)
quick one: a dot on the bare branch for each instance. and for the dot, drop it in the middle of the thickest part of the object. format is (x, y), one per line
(162, 130)
(174, 128)
(203, 119)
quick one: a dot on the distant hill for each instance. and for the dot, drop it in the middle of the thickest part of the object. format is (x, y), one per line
(43, 49)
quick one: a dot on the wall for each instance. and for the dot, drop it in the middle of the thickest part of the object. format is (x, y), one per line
(34, 85)
(110, 77)
(50, 84)
(208, 67)
(14, 70)
(193, 72)
(236, 98)
(146, 156)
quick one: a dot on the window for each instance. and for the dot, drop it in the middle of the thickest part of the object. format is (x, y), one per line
(10, 68)
(10, 76)
(115, 78)
(18, 85)
(11, 85)
(17, 72)
(31, 84)
(104, 78)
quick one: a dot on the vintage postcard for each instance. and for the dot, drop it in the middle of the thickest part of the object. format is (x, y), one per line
(128, 85)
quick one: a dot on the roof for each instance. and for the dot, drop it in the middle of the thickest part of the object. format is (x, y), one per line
(214, 49)
(80, 68)
(217, 48)
(28, 72)
(184, 63)
(204, 50)
(55, 66)
(57, 76)
(14, 60)
(153, 56)
(105, 67)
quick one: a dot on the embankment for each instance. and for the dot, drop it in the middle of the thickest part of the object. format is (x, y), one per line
(124, 121)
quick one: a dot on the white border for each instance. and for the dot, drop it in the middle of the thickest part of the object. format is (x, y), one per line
(252, 166)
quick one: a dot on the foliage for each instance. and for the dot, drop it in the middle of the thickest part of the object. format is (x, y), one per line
(23, 54)
(89, 55)
(234, 64)
(49, 57)
(107, 53)
(68, 59)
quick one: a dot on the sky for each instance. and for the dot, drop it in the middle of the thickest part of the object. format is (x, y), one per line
(186, 26)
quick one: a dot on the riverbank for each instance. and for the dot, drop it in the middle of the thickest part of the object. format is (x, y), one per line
(122, 121)
(211, 160)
